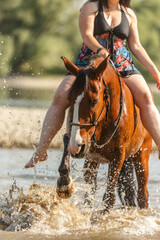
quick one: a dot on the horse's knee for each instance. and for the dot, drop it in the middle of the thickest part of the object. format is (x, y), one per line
(109, 199)
(126, 184)
(109, 196)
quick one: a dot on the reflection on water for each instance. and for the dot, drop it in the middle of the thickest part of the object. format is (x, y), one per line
(70, 219)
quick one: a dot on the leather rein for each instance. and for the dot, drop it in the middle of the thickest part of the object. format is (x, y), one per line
(106, 104)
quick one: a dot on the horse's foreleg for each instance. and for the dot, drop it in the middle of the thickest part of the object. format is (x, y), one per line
(64, 183)
(126, 184)
(113, 174)
(142, 178)
(141, 161)
(90, 177)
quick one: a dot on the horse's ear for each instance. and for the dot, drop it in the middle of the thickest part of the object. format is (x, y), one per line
(71, 67)
(102, 66)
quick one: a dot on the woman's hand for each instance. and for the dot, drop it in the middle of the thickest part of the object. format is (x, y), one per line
(157, 78)
(104, 53)
(158, 85)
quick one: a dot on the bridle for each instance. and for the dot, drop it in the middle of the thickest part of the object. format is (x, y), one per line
(106, 104)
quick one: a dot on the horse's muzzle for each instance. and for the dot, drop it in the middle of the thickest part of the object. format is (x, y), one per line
(81, 153)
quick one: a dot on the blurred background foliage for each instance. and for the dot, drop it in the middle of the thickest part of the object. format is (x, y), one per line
(35, 33)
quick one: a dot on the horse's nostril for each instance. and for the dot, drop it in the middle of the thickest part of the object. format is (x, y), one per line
(81, 152)
(79, 144)
(82, 147)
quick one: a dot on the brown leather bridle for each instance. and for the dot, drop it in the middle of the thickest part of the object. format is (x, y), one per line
(95, 123)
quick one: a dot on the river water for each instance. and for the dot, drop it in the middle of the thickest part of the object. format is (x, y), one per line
(34, 190)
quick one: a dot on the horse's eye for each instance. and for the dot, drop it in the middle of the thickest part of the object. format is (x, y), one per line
(94, 102)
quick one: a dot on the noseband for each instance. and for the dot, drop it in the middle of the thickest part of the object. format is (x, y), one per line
(106, 104)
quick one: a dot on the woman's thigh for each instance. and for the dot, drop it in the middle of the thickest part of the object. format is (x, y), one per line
(140, 89)
(62, 92)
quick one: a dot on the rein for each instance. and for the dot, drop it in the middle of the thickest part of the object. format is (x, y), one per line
(119, 117)
(95, 123)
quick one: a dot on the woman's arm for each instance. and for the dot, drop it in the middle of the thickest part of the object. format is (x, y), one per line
(86, 26)
(139, 52)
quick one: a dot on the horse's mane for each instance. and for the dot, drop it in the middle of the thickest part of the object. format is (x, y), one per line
(80, 82)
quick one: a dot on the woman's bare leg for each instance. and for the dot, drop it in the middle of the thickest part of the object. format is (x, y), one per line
(53, 120)
(149, 113)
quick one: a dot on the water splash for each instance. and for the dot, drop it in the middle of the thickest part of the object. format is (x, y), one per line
(42, 210)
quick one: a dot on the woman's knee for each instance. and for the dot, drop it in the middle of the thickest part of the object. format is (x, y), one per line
(145, 100)
(61, 96)
(147, 97)
(60, 99)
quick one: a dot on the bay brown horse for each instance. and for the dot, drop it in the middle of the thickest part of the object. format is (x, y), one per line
(105, 127)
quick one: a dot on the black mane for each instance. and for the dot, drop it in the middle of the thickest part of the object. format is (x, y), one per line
(79, 84)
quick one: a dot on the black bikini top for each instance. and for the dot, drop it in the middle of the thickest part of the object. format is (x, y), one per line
(101, 26)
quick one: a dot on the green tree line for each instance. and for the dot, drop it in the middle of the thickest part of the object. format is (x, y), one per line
(35, 33)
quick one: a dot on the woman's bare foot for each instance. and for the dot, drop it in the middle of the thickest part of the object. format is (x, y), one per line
(37, 157)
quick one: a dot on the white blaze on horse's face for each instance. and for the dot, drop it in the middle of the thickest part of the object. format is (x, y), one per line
(76, 139)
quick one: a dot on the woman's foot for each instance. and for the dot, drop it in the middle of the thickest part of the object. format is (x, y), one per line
(37, 157)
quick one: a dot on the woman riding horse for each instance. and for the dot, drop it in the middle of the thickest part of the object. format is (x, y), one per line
(105, 26)
(105, 127)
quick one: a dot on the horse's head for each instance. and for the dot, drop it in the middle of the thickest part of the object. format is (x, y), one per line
(88, 103)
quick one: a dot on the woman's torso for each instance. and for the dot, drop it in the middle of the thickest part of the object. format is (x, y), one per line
(101, 25)
(113, 39)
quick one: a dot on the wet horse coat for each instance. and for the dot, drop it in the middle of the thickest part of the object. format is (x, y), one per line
(106, 128)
